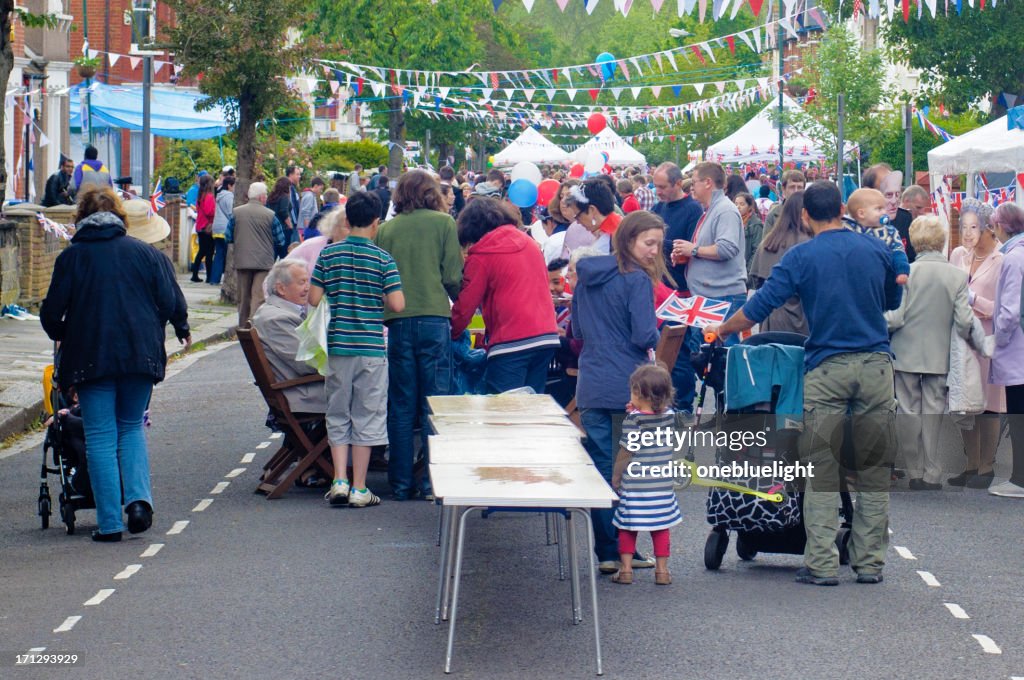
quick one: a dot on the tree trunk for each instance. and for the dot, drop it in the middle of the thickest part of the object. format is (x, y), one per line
(6, 65)
(245, 169)
(396, 137)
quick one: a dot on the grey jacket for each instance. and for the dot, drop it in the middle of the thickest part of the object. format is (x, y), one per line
(276, 321)
(253, 236)
(934, 305)
(727, 275)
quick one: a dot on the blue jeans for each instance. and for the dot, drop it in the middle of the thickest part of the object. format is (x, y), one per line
(598, 424)
(220, 257)
(519, 369)
(419, 366)
(684, 377)
(115, 442)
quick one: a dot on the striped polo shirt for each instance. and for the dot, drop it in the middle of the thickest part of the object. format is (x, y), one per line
(356, 275)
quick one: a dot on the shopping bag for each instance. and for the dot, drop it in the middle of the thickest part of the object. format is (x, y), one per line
(312, 334)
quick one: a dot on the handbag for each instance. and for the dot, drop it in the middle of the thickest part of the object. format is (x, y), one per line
(312, 334)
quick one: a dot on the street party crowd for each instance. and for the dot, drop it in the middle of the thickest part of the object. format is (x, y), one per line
(446, 282)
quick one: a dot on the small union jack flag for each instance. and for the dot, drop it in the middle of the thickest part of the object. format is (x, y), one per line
(156, 199)
(695, 311)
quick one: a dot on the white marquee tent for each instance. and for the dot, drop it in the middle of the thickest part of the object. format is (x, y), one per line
(619, 151)
(530, 146)
(990, 148)
(758, 140)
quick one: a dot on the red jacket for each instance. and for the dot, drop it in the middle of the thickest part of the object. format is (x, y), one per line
(630, 203)
(506, 276)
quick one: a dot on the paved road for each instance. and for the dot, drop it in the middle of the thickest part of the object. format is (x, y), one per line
(288, 588)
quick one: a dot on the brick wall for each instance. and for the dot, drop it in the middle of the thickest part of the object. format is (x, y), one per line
(38, 250)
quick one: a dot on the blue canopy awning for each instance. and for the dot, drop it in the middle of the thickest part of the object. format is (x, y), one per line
(173, 112)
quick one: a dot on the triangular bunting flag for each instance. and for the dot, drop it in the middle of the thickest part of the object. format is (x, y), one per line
(616, 92)
(731, 42)
(114, 58)
(636, 92)
(656, 90)
(571, 93)
(699, 87)
(551, 94)
(593, 94)
(134, 61)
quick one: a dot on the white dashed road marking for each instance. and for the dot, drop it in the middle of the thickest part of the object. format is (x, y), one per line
(128, 572)
(927, 577)
(248, 458)
(68, 624)
(152, 550)
(234, 473)
(177, 528)
(956, 610)
(98, 598)
(220, 487)
(277, 435)
(987, 643)
(904, 553)
(262, 445)
(203, 505)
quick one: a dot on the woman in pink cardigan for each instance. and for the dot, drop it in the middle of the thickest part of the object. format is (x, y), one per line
(979, 256)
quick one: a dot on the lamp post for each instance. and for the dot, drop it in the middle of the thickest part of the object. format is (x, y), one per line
(781, 40)
(143, 32)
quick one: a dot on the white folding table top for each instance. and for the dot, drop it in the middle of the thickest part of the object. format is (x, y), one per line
(527, 486)
(498, 428)
(447, 450)
(506, 404)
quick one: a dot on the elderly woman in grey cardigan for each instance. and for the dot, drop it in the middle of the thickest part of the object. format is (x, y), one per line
(935, 304)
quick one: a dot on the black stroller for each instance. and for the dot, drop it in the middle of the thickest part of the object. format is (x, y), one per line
(65, 437)
(760, 525)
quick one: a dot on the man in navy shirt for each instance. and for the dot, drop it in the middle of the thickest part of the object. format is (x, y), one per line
(845, 281)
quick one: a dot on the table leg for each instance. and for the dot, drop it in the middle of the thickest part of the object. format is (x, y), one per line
(440, 523)
(547, 528)
(449, 558)
(460, 536)
(560, 544)
(574, 571)
(593, 587)
(443, 538)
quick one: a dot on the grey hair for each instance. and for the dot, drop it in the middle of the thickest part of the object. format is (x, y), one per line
(672, 172)
(257, 189)
(281, 273)
(915, 191)
(982, 210)
(329, 221)
(581, 253)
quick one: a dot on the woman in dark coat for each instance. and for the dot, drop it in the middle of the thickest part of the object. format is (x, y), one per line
(280, 201)
(109, 301)
(613, 314)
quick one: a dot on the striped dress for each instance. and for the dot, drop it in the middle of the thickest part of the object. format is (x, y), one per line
(647, 503)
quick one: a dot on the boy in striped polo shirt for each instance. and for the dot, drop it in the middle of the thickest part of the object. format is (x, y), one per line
(358, 279)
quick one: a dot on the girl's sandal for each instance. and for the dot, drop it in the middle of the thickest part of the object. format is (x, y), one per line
(663, 578)
(623, 578)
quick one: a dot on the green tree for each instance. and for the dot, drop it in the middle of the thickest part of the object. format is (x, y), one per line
(184, 159)
(964, 57)
(840, 66)
(242, 56)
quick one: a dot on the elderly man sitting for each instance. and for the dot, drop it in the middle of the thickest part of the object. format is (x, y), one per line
(276, 321)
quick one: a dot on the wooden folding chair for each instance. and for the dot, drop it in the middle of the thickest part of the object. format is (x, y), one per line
(300, 429)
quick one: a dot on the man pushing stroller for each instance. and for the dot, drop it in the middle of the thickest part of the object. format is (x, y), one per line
(845, 282)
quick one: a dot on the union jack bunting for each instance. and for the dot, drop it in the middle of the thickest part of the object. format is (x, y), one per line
(694, 311)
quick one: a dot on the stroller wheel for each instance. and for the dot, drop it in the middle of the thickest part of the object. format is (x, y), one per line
(714, 549)
(744, 552)
(67, 515)
(843, 544)
(44, 511)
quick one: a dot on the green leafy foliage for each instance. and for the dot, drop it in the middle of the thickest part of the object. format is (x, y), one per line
(886, 140)
(964, 57)
(840, 66)
(184, 159)
(332, 155)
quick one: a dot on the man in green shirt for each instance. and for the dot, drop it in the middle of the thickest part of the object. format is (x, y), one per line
(423, 240)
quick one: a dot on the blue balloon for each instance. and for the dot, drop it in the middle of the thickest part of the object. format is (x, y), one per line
(522, 193)
(608, 65)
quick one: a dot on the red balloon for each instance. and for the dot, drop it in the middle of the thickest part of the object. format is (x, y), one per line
(576, 170)
(596, 123)
(547, 190)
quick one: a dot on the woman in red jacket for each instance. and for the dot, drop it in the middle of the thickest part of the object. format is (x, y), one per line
(206, 209)
(505, 275)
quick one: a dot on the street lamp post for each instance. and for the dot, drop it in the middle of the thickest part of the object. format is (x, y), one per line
(780, 39)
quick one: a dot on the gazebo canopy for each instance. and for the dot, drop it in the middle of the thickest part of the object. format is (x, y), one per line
(530, 146)
(758, 140)
(173, 112)
(619, 151)
(990, 148)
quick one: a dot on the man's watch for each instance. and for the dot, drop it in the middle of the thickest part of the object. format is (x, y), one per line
(694, 254)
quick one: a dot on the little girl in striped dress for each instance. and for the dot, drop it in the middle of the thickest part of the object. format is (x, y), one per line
(646, 502)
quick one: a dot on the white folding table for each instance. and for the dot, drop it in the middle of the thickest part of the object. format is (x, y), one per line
(566, 487)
